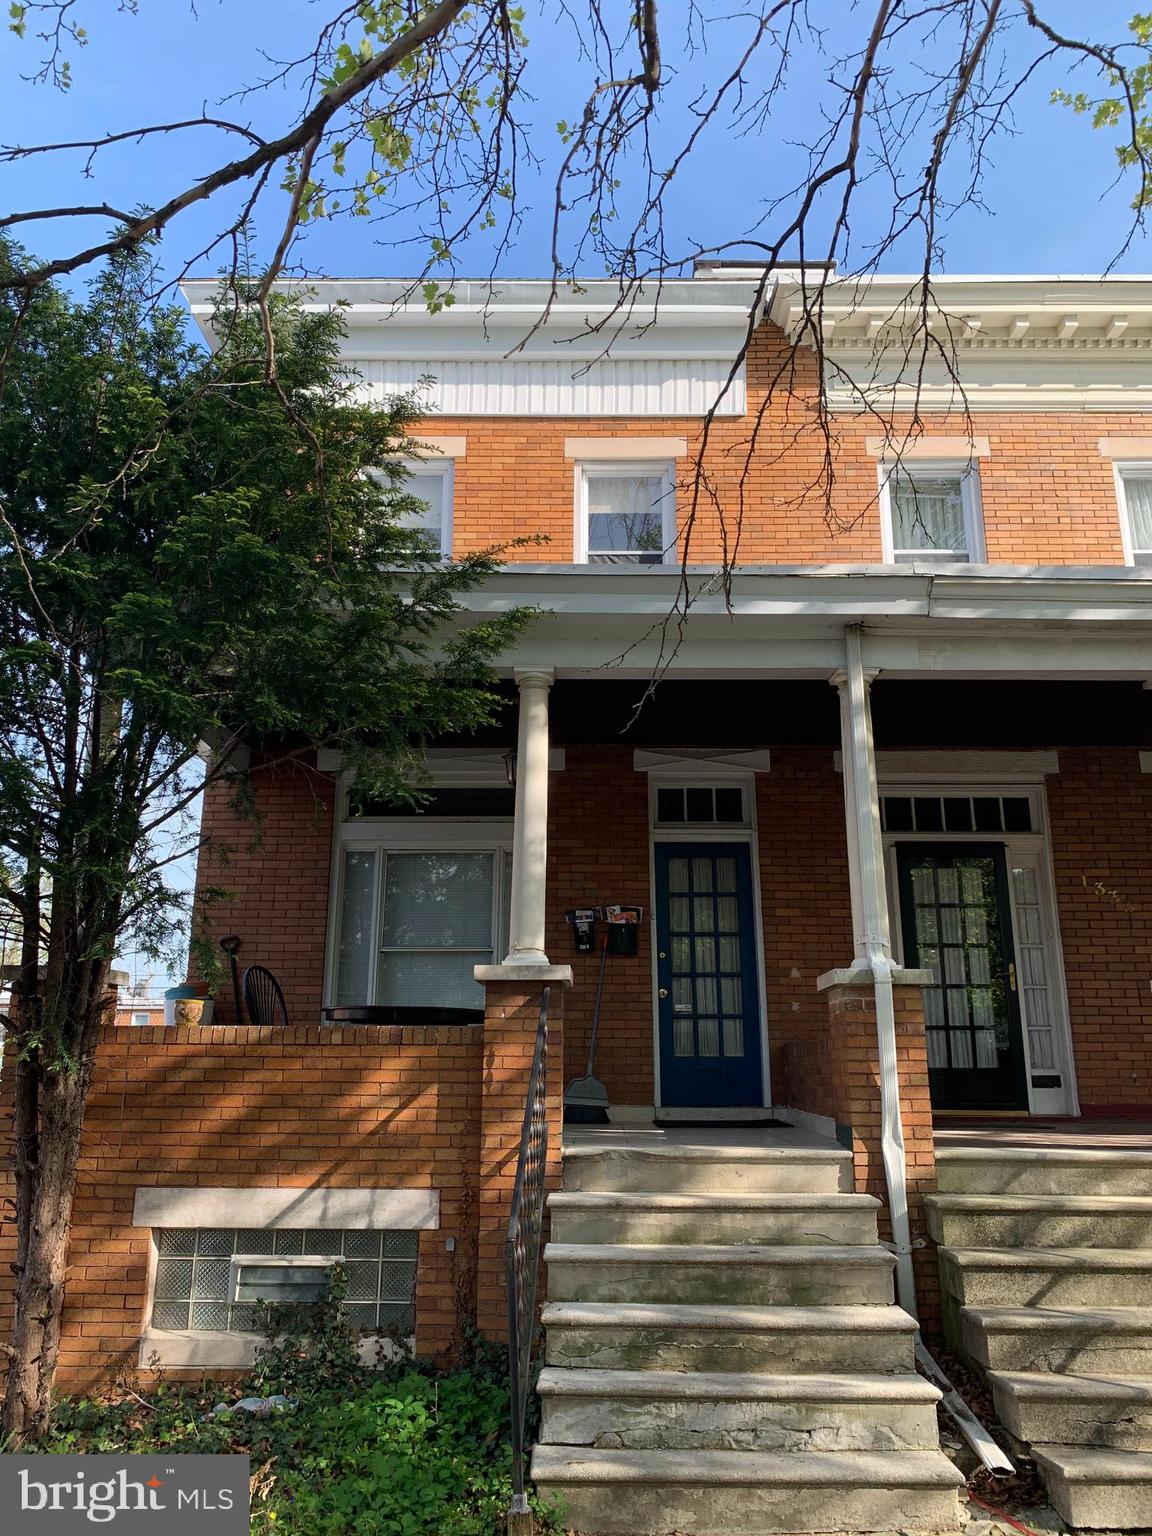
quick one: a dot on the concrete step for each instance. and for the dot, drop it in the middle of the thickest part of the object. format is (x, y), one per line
(1042, 1171)
(1047, 1277)
(791, 1274)
(1074, 1340)
(1040, 1221)
(837, 1220)
(632, 1336)
(726, 1410)
(686, 1169)
(716, 1493)
(1098, 1490)
(1111, 1412)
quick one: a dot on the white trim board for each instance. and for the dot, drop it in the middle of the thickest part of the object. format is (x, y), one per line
(701, 761)
(368, 1210)
(944, 767)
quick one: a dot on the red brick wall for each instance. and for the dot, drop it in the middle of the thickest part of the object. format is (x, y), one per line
(598, 852)
(1100, 810)
(1048, 496)
(805, 897)
(845, 1066)
(275, 868)
(345, 1108)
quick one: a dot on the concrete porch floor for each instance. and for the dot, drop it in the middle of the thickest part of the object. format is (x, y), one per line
(693, 1140)
(1035, 1134)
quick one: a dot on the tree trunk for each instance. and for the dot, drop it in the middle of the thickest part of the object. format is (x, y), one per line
(44, 1218)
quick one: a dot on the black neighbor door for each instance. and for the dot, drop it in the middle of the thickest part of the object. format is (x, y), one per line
(956, 922)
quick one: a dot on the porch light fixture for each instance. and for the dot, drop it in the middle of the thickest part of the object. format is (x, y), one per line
(510, 768)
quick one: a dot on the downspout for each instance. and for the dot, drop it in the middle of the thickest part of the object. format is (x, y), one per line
(875, 943)
(877, 950)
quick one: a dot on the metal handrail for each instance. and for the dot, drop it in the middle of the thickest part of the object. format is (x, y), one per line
(522, 1250)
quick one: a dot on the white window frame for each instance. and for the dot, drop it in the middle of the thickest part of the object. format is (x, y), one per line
(446, 470)
(968, 472)
(664, 469)
(415, 836)
(1121, 470)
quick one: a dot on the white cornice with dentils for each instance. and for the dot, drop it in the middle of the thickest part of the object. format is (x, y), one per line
(1044, 343)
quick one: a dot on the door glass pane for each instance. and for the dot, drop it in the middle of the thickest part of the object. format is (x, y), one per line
(729, 954)
(732, 995)
(708, 1035)
(924, 885)
(706, 954)
(733, 1037)
(728, 914)
(682, 994)
(678, 914)
(1032, 969)
(703, 914)
(706, 994)
(677, 873)
(682, 1036)
(681, 955)
(701, 874)
(355, 941)
(966, 1010)
(725, 874)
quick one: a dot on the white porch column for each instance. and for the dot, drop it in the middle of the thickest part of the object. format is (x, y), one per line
(530, 836)
(870, 925)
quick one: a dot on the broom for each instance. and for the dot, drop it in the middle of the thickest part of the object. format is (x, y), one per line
(586, 1100)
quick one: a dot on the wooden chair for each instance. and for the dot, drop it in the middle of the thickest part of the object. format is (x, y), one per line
(263, 997)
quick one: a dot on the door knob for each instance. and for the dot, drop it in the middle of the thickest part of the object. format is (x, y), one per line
(663, 992)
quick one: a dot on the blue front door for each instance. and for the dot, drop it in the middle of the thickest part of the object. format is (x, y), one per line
(706, 976)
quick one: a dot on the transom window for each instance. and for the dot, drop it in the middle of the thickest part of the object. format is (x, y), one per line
(931, 513)
(700, 805)
(626, 514)
(1135, 483)
(956, 813)
(213, 1279)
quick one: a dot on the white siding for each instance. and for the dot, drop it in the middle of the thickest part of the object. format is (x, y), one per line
(527, 387)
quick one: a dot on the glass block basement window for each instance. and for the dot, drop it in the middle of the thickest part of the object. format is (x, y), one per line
(211, 1278)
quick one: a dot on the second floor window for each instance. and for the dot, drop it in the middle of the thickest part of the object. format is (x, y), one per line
(626, 514)
(432, 483)
(1136, 510)
(932, 514)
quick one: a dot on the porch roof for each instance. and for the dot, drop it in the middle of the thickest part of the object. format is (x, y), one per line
(781, 621)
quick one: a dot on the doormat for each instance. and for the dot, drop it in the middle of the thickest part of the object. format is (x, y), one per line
(767, 1124)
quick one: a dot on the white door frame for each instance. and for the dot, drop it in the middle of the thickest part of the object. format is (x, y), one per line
(1038, 843)
(691, 774)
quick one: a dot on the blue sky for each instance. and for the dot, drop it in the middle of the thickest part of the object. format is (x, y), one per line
(1047, 206)
(1047, 203)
